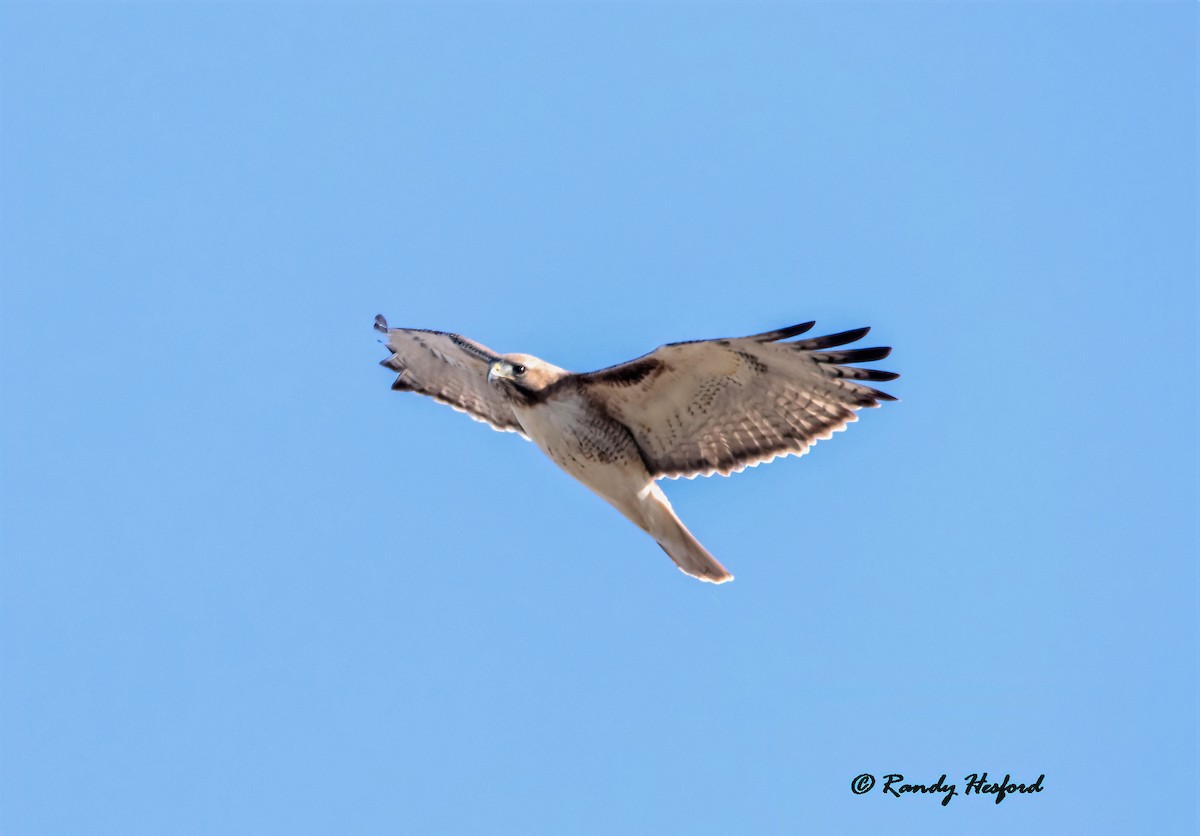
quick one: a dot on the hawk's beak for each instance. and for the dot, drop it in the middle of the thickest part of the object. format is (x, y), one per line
(499, 369)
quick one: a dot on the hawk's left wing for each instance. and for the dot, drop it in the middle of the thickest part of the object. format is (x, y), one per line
(718, 406)
(450, 369)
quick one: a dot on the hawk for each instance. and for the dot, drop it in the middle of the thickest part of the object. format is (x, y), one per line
(685, 409)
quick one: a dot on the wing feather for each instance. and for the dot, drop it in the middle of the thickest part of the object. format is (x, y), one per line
(448, 368)
(719, 406)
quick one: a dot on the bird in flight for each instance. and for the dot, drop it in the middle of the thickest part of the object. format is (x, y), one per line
(685, 409)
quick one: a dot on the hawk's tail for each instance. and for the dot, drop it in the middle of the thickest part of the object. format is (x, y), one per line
(674, 538)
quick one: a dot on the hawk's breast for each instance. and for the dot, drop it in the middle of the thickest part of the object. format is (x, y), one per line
(579, 436)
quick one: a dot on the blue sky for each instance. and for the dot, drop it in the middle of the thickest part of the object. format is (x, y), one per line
(246, 589)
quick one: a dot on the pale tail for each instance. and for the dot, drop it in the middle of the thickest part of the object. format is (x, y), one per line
(679, 544)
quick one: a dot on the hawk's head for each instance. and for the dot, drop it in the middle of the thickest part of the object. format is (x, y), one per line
(522, 375)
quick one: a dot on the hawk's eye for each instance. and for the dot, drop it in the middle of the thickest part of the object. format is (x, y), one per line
(518, 370)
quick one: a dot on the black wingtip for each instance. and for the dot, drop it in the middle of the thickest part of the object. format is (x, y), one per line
(853, 355)
(381, 323)
(855, 373)
(784, 333)
(872, 374)
(832, 340)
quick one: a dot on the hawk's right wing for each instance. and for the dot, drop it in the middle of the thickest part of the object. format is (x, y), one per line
(718, 406)
(448, 368)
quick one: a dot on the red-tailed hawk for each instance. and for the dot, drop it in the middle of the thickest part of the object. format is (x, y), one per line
(685, 409)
